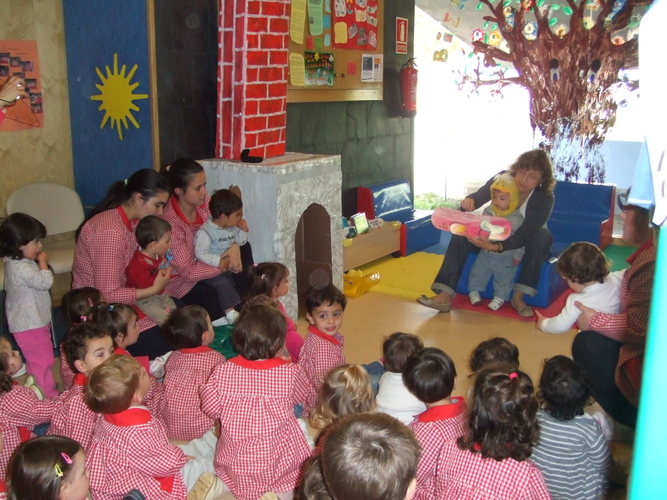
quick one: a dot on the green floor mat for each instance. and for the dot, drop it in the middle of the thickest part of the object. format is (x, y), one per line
(222, 342)
(617, 256)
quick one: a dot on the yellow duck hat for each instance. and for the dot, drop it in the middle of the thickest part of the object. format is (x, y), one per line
(506, 184)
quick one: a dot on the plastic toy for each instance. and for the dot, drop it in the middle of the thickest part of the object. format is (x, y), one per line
(355, 284)
(471, 225)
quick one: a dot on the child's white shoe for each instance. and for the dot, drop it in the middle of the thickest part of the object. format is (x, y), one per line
(475, 299)
(220, 321)
(496, 303)
(232, 316)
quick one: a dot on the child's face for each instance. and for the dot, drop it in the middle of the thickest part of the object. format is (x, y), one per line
(31, 249)
(500, 199)
(14, 360)
(326, 318)
(98, 351)
(75, 486)
(161, 246)
(231, 220)
(131, 335)
(281, 289)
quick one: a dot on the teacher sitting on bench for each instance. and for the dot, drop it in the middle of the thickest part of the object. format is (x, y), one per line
(533, 175)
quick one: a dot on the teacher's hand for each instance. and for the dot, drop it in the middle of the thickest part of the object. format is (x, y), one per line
(483, 243)
(468, 205)
(585, 316)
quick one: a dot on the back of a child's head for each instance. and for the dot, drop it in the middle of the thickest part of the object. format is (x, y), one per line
(77, 303)
(264, 278)
(583, 262)
(150, 229)
(564, 388)
(312, 485)
(502, 420)
(397, 348)
(430, 374)
(112, 384)
(76, 344)
(346, 390)
(185, 327)
(495, 351)
(42, 468)
(113, 318)
(17, 230)
(260, 331)
(369, 456)
(326, 295)
(224, 202)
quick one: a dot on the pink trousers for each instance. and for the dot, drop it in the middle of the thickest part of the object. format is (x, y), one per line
(37, 350)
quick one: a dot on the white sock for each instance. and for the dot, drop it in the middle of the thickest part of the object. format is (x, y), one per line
(221, 321)
(232, 316)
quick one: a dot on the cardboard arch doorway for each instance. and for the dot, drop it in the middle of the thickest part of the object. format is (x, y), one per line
(312, 243)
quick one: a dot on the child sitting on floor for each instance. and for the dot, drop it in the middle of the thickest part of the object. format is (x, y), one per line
(490, 459)
(153, 235)
(261, 447)
(323, 348)
(129, 448)
(393, 396)
(571, 451)
(493, 352)
(585, 268)
(86, 346)
(502, 265)
(188, 330)
(346, 390)
(16, 368)
(429, 375)
(270, 279)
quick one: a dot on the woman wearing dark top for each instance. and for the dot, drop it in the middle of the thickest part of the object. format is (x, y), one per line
(533, 175)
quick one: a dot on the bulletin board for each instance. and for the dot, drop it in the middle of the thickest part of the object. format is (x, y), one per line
(335, 50)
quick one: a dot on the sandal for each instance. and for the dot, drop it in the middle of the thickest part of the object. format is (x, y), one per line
(522, 309)
(428, 302)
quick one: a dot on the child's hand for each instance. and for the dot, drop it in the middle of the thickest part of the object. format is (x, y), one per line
(243, 225)
(234, 253)
(538, 319)
(161, 280)
(43, 260)
(223, 265)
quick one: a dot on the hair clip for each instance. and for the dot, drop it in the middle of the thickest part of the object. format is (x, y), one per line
(83, 318)
(58, 470)
(110, 307)
(90, 302)
(66, 458)
(513, 375)
(263, 276)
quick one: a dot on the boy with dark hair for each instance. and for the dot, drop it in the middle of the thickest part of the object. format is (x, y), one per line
(323, 347)
(369, 456)
(189, 331)
(86, 346)
(495, 351)
(393, 398)
(571, 451)
(153, 235)
(430, 375)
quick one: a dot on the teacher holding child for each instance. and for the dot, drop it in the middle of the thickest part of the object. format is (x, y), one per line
(533, 175)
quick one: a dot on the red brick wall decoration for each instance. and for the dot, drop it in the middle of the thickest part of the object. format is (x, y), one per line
(252, 78)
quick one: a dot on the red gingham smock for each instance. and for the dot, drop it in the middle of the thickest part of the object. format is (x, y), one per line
(261, 447)
(20, 411)
(72, 418)
(186, 269)
(464, 474)
(131, 450)
(433, 428)
(104, 249)
(66, 372)
(185, 372)
(319, 354)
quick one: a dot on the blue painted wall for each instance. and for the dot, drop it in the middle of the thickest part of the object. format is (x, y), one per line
(94, 31)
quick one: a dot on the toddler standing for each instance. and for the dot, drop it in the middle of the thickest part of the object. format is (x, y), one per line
(270, 279)
(586, 270)
(28, 280)
(323, 348)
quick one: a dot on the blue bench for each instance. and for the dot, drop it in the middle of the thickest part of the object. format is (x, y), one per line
(392, 201)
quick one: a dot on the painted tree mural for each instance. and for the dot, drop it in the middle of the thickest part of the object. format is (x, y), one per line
(570, 57)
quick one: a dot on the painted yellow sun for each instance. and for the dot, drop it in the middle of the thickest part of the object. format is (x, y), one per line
(117, 97)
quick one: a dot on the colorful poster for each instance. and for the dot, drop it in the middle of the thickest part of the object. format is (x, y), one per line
(19, 58)
(319, 69)
(356, 24)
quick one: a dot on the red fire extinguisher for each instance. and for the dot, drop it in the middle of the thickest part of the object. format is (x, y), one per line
(409, 88)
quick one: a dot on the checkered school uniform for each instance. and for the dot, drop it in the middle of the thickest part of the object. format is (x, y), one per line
(20, 411)
(72, 418)
(104, 249)
(186, 371)
(130, 450)
(186, 270)
(465, 474)
(261, 447)
(319, 354)
(434, 427)
(66, 373)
